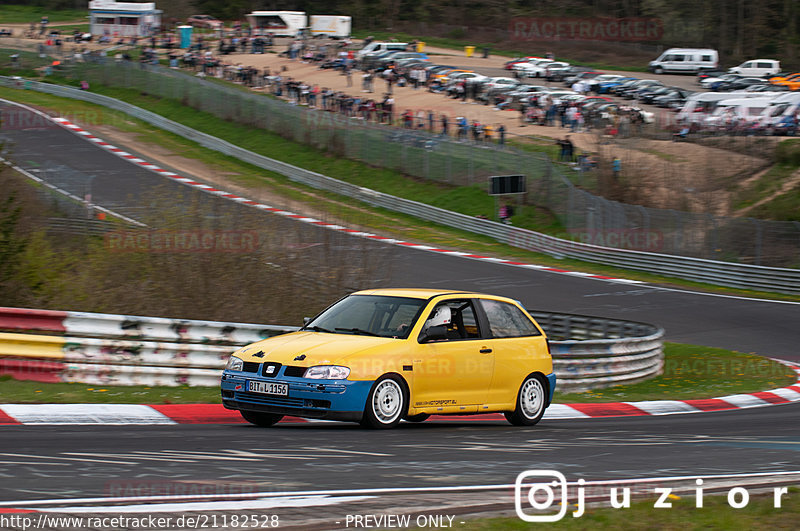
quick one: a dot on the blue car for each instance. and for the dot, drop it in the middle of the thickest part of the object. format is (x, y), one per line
(605, 87)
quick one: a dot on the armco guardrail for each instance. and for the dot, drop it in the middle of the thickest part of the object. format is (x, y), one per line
(744, 276)
(105, 349)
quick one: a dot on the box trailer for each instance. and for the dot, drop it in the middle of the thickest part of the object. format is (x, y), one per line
(336, 26)
(278, 23)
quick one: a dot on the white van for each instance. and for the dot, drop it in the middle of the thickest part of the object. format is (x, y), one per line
(377, 47)
(757, 68)
(685, 61)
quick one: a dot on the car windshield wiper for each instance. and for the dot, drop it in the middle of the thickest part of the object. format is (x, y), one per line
(357, 331)
(318, 329)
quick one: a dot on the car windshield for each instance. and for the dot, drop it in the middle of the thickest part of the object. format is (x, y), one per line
(370, 315)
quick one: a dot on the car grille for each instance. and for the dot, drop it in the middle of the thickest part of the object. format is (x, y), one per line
(271, 400)
(250, 366)
(282, 401)
(294, 371)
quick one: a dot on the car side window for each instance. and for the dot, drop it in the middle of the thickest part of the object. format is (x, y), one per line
(506, 320)
(462, 321)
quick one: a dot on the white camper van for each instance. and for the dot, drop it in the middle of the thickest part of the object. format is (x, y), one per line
(279, 23)
(685, 61)
(702, 104)
(335, 26)
(737, 110)
(787, 104)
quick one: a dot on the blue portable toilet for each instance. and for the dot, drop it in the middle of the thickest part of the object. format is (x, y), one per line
(185, 33)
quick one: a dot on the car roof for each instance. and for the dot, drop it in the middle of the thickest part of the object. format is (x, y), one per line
(415, 293)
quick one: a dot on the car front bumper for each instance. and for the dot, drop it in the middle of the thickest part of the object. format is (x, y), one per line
(307, 398)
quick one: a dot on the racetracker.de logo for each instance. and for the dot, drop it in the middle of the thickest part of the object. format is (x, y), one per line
(182, 241)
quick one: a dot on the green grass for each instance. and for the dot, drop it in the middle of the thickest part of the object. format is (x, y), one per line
(759, 514)
(25, 392)
(690, 372)
(784, 207)
(19, 14)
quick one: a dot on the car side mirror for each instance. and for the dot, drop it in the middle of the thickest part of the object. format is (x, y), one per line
(433, 333)
(306, 320)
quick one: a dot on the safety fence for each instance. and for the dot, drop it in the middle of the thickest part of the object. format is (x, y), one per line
(105, 349)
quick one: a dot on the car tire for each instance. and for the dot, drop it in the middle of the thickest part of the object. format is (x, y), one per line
(264, 420)
(419, 417)
(386, 403)
(658, 70)
(531, 402)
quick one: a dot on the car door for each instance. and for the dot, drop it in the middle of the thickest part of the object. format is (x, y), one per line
(518, 348)
(453, 375)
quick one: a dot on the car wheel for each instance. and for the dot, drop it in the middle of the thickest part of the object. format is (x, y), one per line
(530, 402)
(419, 417)
(386, 403)
(265, 420)
(658, 70)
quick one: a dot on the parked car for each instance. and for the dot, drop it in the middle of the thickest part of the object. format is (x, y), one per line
(606, 87)
(392, 58)
(509, 65)
(641, 85)
(710, 83)
(532, 68)
(559, 73)
(584, 76)
(204, 21)
(648, 95)
(380, 356)
(672, 99)
(739, 84)
(757, 68)
(595, 82)
(705, 74)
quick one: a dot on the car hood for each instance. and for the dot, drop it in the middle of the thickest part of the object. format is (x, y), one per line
(313, 348)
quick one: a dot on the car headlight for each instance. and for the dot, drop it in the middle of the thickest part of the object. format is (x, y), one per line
(234, 364)
(328, 372)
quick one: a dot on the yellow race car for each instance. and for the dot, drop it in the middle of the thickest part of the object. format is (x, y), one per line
(380, 356)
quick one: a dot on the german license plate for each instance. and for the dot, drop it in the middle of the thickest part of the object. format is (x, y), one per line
(268, 388)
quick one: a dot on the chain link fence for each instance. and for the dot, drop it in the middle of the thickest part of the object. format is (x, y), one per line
(585, 216)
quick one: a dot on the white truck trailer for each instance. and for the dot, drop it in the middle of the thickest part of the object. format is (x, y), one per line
(336, 26)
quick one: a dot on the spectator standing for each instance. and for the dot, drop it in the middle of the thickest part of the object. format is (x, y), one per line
(616, 167)
(501, 131)
(569, 148)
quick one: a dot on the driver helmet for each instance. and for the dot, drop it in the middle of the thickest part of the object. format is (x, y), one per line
(441, 316)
